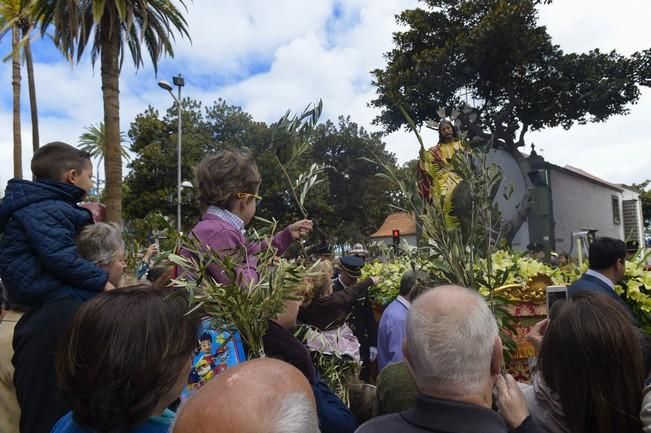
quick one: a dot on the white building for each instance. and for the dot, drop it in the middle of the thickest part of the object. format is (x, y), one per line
(578, 202)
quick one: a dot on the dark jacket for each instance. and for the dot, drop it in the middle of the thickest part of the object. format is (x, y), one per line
(362, 322)
(589, 283)
(281, 344)
(38, 254)
(36, 338)
(334, 416)
(329, 312)
(443, 416)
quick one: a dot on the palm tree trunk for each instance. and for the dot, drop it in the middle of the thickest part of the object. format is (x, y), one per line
(15, 83)
(32, 89)
(110, 44)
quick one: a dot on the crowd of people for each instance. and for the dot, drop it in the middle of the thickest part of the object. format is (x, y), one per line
(82, 353)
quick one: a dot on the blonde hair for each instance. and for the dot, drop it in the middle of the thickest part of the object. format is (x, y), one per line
(320, 280)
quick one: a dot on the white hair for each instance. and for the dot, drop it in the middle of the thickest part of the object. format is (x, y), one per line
(451, 348)
(295, 414)
(100, 243)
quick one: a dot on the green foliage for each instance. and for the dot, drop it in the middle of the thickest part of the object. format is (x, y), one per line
(150, 186)
(295, 144)
(495, 52)
(93, 141)
(644, 189)
(148, 22)
(246, 305)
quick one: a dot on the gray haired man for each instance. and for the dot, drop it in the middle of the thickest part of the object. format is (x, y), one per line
(454, 353)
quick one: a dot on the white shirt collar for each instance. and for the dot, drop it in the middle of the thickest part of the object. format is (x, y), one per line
(229, 217)
(403, 301)
(600, 276)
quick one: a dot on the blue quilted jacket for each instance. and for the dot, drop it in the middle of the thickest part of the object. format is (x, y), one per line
(38, 255)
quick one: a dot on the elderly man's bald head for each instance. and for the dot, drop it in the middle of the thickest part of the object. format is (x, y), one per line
(262, 395)
(452, 341)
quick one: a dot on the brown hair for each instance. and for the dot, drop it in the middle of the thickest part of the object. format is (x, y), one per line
(221, 176)
(54, 159)
(123, 352)
(591, 357)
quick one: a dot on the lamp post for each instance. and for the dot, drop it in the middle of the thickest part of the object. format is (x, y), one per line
(178, 82)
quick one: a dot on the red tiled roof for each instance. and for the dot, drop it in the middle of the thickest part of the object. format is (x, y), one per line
(402, 221)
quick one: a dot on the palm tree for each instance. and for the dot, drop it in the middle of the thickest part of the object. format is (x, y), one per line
(18, 16)
(115, 25)
(93, 141)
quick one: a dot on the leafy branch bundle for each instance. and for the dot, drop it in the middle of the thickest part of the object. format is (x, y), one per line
(290, 140)
(244, 304)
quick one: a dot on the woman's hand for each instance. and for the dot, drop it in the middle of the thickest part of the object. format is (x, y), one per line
(535, 336)
(151, 252)
(300, 228)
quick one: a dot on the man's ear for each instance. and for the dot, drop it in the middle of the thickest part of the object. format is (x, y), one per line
(408, 360)
(498, 356)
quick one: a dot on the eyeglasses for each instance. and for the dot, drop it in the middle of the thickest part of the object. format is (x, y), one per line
(257, 198)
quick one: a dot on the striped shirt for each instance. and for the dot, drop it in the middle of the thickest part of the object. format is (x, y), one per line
(228, 216)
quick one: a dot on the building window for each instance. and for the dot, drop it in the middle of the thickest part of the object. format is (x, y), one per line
(616, 214)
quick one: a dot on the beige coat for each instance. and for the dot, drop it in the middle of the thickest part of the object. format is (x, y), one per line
(544, 406)
(9, 409)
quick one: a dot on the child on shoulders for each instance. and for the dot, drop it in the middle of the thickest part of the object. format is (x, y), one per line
(40, 221)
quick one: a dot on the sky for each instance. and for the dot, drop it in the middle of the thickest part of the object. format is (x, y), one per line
(270, 56)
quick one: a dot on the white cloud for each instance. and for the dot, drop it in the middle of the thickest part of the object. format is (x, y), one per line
(302, 51)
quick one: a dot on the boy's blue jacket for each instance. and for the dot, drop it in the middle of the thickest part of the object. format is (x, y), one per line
(38, 255)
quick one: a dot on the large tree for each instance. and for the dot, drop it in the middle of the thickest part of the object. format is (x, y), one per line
(644, 188)
(150, 186)
(115, 26)
(495, 53)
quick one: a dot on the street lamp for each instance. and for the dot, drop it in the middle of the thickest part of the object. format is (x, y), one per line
(178, 82)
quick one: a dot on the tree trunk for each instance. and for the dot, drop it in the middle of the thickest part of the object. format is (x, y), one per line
(15, 83)
(32, 90)
(110, 44)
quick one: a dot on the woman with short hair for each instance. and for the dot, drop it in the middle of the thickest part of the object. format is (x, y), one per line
(125, 358)
(102, 244)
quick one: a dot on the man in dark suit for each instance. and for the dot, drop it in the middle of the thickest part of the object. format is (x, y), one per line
(607, 262)
(361, 321)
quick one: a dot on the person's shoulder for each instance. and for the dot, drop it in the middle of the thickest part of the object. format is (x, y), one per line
(579, 283)
(385, 423)
(391, 310)
(67, 424)
(217, 233)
